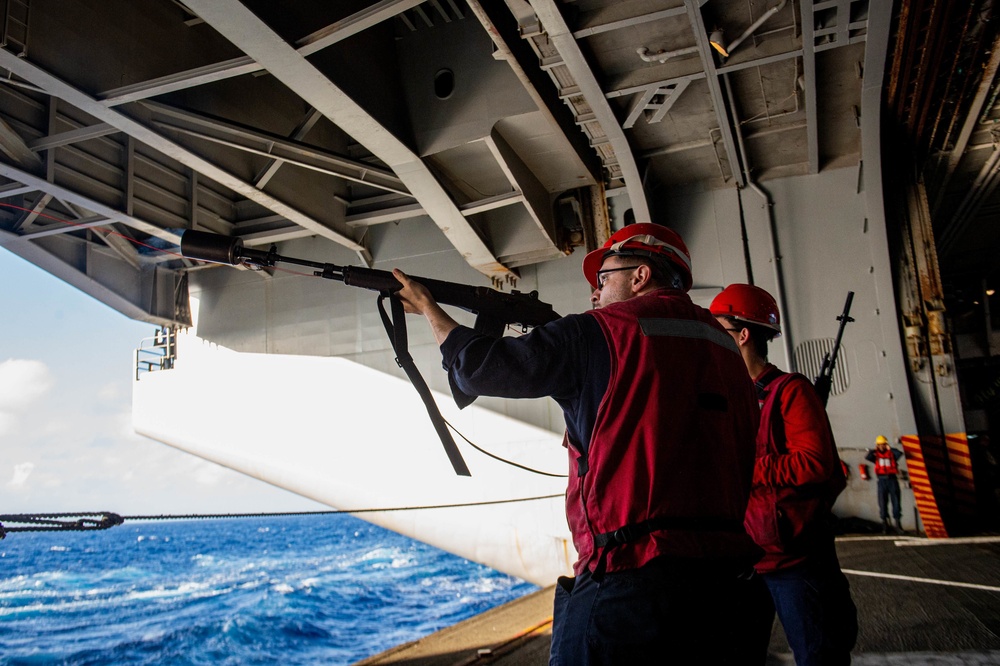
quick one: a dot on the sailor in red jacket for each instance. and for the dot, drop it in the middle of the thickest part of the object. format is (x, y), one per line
(660, 420)
(797, 477)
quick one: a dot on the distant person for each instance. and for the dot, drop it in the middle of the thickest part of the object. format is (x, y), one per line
(797, 477)
(660, 420)
(884, 458)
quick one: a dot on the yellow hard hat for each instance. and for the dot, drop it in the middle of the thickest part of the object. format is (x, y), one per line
(881, 440)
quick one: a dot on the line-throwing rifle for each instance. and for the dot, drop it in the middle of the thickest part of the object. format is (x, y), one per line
(824, 381)
(494, 309)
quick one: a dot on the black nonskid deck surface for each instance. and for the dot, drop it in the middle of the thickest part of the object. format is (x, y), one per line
(920, 603)
(923, 601)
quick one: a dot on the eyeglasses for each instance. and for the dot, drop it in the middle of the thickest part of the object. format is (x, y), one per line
(602, 276)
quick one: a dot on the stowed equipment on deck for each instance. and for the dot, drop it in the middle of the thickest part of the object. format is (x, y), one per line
(494, 310)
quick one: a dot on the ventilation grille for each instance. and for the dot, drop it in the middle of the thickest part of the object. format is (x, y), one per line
(809, 359)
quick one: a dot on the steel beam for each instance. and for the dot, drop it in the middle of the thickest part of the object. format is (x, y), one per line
(62, 90)
(64, 194)
(282, 150)
(809, 76)
(238, 24)
(298, 134)
(14, 189)
(384, 215)
(670, 95)
(662, 83)
(149, 294)
(130, 287)
(971, 122)
(14, 147)
(502, 28)
(228, 69)
(760, 62)
(353, 24)
(413, 211)
(715, 89)
(628, 23)
(523, 181)
(576, 63)
(58, 229)
(72, 136)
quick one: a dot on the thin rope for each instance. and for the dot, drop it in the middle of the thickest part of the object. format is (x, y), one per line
(504, 460)
(339, 511)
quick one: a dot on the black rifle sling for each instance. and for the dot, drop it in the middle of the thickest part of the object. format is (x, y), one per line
(396, 330)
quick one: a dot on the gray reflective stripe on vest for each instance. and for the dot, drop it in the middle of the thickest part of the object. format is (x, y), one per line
(686, 328)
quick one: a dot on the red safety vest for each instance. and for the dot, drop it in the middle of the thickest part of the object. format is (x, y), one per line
(670, 461)
(885, 463)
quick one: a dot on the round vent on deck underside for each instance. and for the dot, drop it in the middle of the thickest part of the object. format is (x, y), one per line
(444, 83)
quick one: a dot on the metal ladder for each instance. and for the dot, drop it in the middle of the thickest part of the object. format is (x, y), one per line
(156, 353)
(15, 27)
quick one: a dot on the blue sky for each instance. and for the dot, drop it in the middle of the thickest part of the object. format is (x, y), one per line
(66, 441)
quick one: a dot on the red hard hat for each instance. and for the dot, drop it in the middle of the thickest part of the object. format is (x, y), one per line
(642, 239)
(747, 303)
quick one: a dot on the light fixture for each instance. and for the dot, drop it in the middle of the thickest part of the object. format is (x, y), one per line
(990, 292)
(718, 43)
(716, 38)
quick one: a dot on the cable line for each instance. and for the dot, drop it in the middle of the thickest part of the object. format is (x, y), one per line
(504, 460)
(102, 520)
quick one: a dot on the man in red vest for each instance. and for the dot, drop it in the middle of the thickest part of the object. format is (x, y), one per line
(886, 470)
(797, 476)
(660, 420)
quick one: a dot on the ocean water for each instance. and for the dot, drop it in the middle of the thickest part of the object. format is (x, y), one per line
(320, 589)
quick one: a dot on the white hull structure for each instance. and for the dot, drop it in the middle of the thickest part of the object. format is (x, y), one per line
(354, 438)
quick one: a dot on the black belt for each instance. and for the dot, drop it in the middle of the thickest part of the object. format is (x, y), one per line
(628, 533)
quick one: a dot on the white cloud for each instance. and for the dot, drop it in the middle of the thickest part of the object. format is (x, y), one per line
(22, 382)
(209, 474)
(112, 393)
(21, 473)
(7, 422)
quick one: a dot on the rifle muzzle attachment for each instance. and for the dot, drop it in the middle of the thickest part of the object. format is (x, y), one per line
(215, 248)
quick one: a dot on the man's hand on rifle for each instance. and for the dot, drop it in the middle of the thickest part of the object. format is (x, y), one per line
(417, 299)
(415, 296)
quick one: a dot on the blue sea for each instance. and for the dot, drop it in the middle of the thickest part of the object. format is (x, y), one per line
(318, 589)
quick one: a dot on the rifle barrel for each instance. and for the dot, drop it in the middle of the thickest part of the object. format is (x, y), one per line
(844, 318)
(512, 308)
(824, 381)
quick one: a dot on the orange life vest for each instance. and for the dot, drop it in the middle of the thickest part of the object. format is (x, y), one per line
(885, 463)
